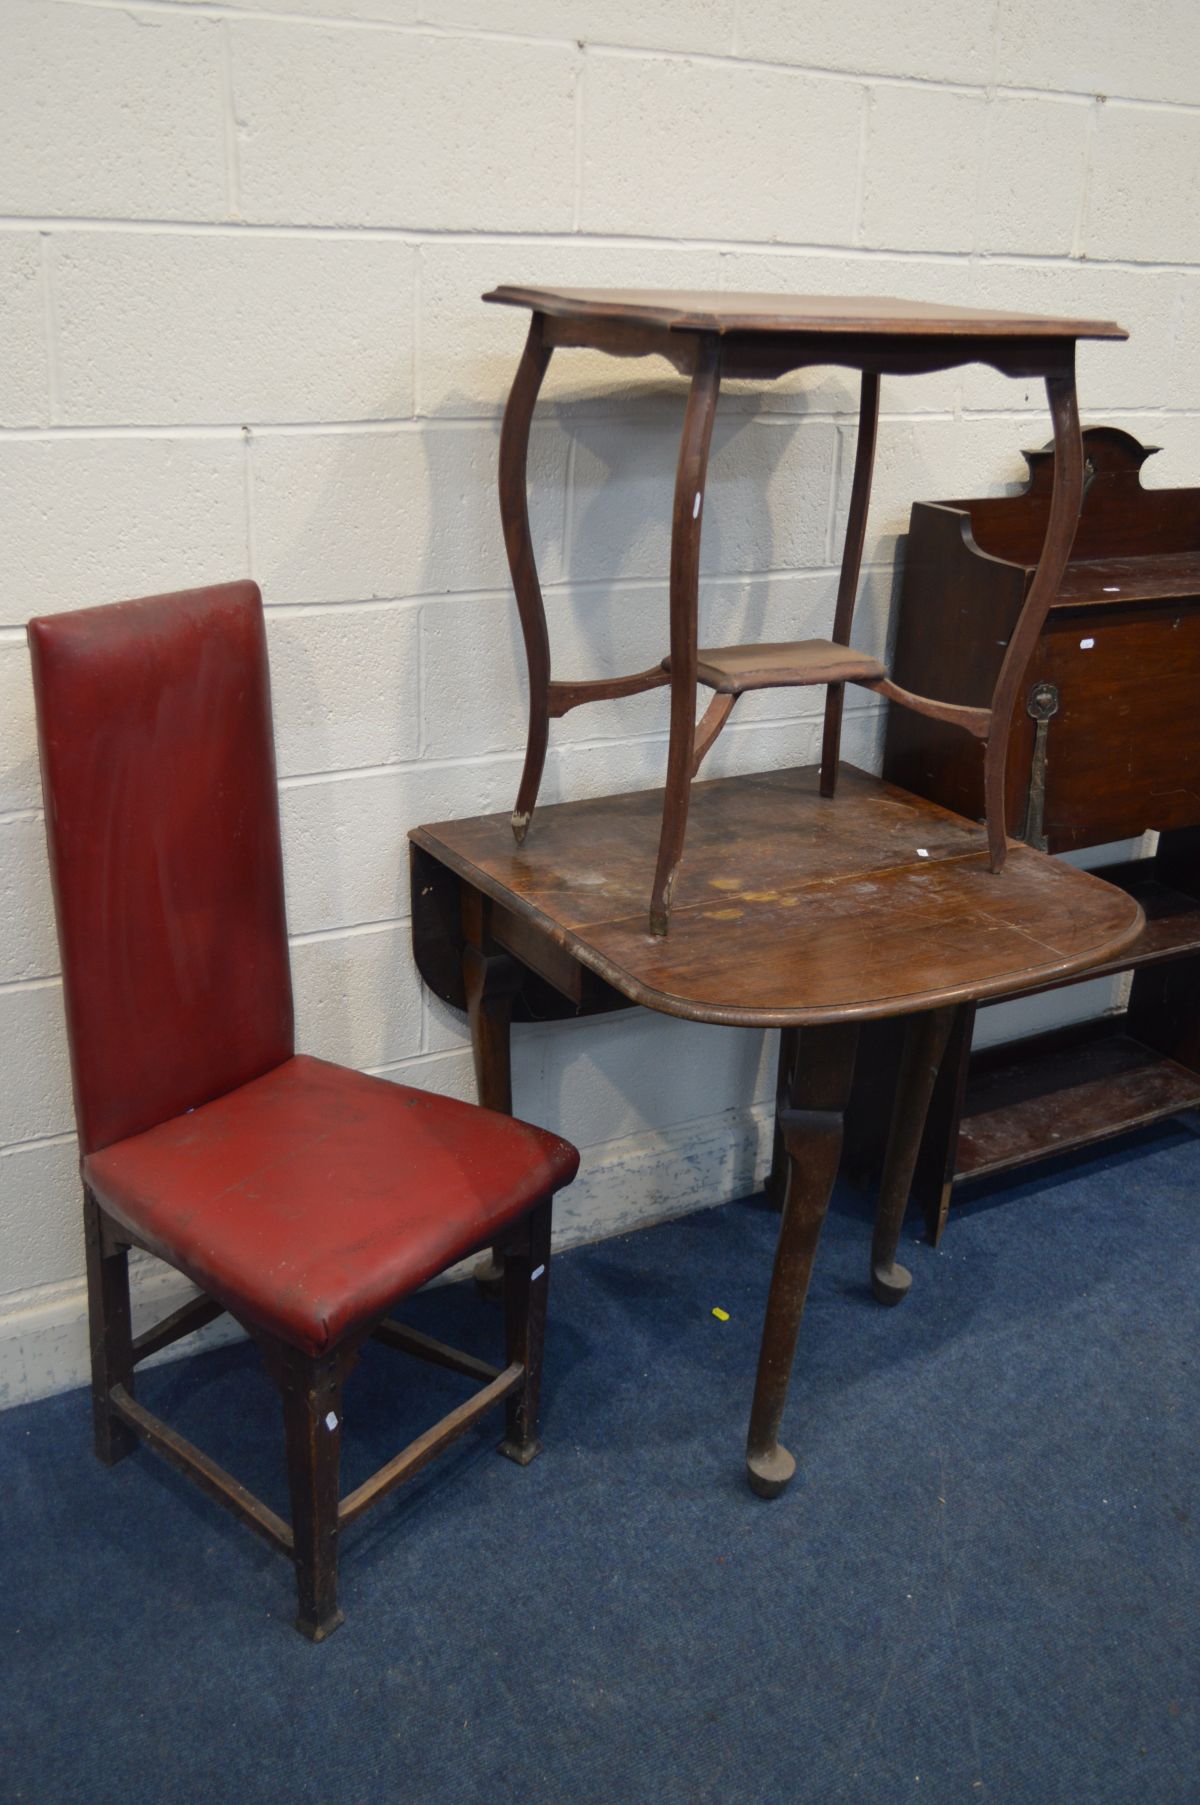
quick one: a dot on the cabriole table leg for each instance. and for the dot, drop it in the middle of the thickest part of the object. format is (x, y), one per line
(518, 543)
(924, 1043)
(685, 580)
(812, 1131)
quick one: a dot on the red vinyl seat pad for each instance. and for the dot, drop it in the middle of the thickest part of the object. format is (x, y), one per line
(309, 1199)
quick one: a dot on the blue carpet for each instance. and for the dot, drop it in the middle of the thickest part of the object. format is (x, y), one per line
(982, 1584)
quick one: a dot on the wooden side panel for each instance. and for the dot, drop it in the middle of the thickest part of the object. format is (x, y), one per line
(1164, 1010)
(1123, 749)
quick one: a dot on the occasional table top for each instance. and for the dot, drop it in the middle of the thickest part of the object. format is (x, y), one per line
(833, 315)
(789, 908)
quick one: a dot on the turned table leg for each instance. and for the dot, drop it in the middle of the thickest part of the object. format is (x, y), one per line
(811, 1125)
(686, 523)
(924, 1043)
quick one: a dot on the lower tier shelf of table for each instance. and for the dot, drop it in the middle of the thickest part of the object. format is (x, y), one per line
(1068, 1089)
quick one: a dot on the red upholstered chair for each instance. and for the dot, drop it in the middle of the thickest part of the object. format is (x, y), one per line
(301, 1197)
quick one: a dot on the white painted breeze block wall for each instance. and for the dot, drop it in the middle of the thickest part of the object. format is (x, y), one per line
(241, 253)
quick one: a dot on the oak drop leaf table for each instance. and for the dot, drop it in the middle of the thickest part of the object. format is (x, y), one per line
(789, 913)
(710, 335)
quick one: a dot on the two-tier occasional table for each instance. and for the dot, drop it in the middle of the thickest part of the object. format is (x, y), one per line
(707, 336)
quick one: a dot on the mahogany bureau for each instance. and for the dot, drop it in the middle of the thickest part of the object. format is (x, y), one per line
(1105, 744)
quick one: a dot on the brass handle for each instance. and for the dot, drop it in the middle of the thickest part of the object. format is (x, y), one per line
(1041, 704)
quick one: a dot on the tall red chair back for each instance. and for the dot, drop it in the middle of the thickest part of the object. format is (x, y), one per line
(163, 830)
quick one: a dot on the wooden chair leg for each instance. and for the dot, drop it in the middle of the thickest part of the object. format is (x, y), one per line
(685, 580)
(924, 1043)
(110, 1330)
(526, 1289)
(812, 1129)
(312, 1420)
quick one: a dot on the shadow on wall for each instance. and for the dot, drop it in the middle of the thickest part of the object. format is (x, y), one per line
(764, 565)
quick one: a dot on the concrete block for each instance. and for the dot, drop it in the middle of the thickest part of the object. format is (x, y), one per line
(110, 114)
(674, 149)
(705, 25)
(28, 947)
(345, 687)
(942, 41)
(41, 1213)
(766, 505)
(20, 784)
(25, 394)
(358, 996)
(202, 329)
(84, 521)
(350, 516)
(447, 132)
(446, 1030)
(923, 169)
(1178, 374)
(473, 671)
(35, 1098)
(1100, 49)
(379, 12)
(345, 839)
(1143, 161)
(1032, 177)
(447, 1074)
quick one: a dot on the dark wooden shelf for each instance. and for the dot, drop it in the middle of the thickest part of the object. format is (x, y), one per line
(1093, 582)
(1055, 1092)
